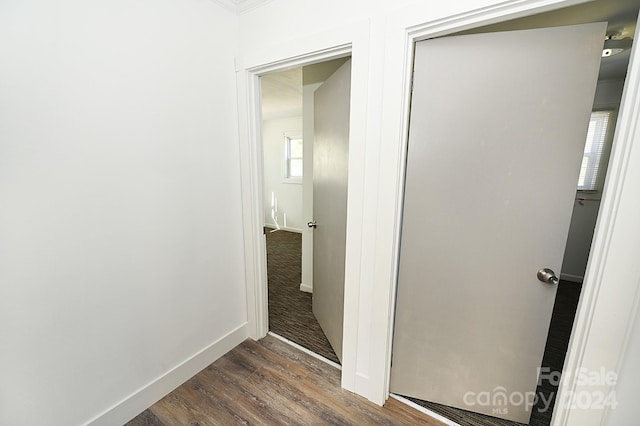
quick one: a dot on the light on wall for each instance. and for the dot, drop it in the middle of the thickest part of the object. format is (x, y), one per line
(614, 46)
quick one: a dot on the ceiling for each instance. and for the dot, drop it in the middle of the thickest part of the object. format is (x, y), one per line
(240, 6)
(282, 91)
(282, 94)
(620, 15)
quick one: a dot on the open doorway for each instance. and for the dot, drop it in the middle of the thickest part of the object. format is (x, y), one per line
(621, 19)
(300, 109)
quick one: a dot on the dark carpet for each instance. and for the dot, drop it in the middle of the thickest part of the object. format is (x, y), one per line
(290, 314)
(564, 311)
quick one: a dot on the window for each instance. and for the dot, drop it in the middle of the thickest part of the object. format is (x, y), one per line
(593, 151)
(293, 158)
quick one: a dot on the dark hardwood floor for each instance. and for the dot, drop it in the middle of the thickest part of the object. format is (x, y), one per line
(271, 383)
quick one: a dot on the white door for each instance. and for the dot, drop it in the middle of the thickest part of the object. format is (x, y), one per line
(498, 125)
(330, 160)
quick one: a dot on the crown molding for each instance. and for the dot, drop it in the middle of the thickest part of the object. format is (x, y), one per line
(240, 6)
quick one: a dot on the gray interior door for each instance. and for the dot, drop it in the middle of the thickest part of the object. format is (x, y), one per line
(498, 126)
(330, 161)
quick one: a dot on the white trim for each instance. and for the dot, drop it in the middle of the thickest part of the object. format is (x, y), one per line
(247, 5)
(306, 288)
(586, 336)
(288, 137)
(292, 181)
(249, 132)
(230, 5)
(144, 397)
(339, 42)
(424, 410)
(240, 6)
(300, 52)
(282, 228)
(305, 350)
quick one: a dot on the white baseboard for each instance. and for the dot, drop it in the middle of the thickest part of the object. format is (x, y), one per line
(146, 396)
(426, 411)
(305, 350)
(571, 277)
(283, 228)
(306, 288)
(286, 228)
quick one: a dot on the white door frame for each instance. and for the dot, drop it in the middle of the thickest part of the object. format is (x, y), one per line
(351, 41)
(609, 299)
(607, 288)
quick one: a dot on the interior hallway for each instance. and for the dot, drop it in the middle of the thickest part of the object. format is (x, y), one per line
(271, 383)
(290, 314)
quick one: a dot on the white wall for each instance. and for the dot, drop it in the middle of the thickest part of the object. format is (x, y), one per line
(287, 194)
(319, 18)
(120, 220)
(587, 205)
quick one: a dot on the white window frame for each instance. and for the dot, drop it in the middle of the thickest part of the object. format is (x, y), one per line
(287, 178)
(598, 158)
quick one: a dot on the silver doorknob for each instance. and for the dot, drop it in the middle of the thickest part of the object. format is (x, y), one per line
(547, 275)
(312, 224)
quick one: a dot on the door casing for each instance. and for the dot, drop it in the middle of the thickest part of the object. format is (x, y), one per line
(404, 27)
(449, 289)
(340, 43)
(259, 324)
(583, 335)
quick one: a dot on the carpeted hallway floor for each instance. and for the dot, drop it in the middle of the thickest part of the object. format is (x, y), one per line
(290, 314)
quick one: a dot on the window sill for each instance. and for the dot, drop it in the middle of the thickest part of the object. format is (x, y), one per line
(295, 181)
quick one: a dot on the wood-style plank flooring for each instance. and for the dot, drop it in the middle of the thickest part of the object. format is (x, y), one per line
(271, 383)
